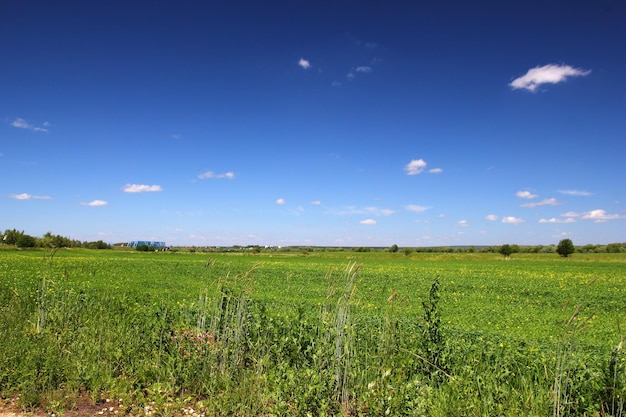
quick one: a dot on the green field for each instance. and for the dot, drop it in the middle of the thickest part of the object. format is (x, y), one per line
(325, 333)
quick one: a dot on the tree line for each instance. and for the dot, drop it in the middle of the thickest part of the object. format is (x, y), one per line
(22, 240)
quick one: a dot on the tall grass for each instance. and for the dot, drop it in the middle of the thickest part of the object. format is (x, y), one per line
(229, 353)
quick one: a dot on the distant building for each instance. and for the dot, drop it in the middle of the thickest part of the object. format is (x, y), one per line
(156, 245)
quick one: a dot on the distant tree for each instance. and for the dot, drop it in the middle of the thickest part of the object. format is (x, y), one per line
(565, 248)
(393, 248)
(614, 248)
(407, 251)
(11, 237)
(505, 250)
(25, 241)
(143, 248)
(589, 248)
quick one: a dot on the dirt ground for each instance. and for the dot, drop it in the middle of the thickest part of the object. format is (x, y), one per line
(9, 408)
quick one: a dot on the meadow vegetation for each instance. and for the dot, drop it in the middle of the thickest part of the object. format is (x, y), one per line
(323, 333)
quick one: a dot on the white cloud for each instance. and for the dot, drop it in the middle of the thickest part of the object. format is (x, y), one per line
(304, 63)
(368, 221)
(316, 203)
(378, 211)
(177, 136)
(415, 167)
(22, 124)
(435, 171)
(555, 220)
(576, 193)
(462, 223)
(526, 194)
(364, 69)
(546, 202)
(95, 203)
(598, 215)
(491, 217)
(25, 196)
(512, 220)
(211, 175)
(141, 188)
(548, 74)
(416, 208)
(281, 201)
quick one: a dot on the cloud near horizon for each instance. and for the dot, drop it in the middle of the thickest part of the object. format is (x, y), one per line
(141, 188)
(598, 215)
(512, 220)
(417, 209)
(548, 74)
(368, 221)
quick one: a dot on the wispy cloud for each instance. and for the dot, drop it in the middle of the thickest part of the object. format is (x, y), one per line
(435, 171)
(368, 221)
(576, 193)
(512, 220)
(95, 203)
(462, 223)
(416, 208)
(597, 216)
(304, 63)
(316, 203)
(491, 217)
(281, 201)
(526, 194)
(546, 202)
(25, 196)
(22, 124)
(416, 166)
(211, 175)
(555, 220)
(351, 210)
(379, 211)
(365, 69)
(548, 74)
(141, 188)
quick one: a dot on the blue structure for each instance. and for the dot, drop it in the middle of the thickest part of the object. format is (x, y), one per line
(155, 245)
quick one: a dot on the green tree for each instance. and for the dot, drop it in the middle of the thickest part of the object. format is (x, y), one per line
(393, 248)
(614, 248)
(505, 250)
(10, 237)
(407, 251)
(25, 241)
(565, 248)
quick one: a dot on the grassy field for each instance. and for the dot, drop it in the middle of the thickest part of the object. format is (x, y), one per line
(327, 333)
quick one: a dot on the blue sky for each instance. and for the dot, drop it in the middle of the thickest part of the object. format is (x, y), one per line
(294, 122)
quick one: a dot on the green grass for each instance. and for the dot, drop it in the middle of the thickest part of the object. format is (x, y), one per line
(294, 334)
